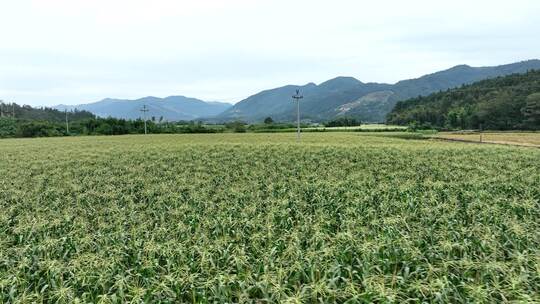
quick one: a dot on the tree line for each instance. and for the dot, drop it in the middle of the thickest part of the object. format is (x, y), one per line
(26, 121)
(503, 103)
(26, 112)
(10, 127)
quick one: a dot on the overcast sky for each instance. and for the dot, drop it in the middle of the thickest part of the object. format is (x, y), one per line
(80, 51)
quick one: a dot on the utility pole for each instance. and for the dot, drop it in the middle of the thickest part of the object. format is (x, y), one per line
(67, 122)
(297, 97)
(481, 139)
(13, 109)
(144, 110)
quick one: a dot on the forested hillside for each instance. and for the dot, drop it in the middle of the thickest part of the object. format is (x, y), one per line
(26, 112)
(503, 103)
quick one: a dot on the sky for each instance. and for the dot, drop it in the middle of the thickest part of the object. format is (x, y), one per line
(80, 51)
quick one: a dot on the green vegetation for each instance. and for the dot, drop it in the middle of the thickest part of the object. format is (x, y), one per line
(98, 126)
(26, 121)
(28, 113)
(111, 126)
(341, 217)
(531, 110)
(343, 122)
(504, 103)
(45, 122)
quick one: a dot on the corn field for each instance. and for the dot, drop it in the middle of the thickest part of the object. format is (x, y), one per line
(235, 218)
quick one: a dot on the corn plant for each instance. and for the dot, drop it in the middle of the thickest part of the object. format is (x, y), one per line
(228, 218)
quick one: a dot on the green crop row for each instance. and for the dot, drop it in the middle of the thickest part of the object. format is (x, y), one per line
(340, 217)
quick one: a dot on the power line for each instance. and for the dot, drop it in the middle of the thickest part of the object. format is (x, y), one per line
(297, 97)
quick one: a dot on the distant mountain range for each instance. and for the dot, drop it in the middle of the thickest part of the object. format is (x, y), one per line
(171, 108)
(347, 96)
(341, 96)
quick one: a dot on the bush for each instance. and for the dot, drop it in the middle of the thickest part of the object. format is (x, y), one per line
(39, 129)
(343, 122)
(8, 127)
(236, 126)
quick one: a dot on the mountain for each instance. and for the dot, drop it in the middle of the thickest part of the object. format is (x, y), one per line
(369, 102)
(502, 103)
(264, 103)
(319, 102)
(172, 108)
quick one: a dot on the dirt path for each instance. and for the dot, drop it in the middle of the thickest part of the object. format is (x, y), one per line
(506, 143)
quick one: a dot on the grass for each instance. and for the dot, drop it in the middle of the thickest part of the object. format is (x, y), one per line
(517, 138)
(342, 217)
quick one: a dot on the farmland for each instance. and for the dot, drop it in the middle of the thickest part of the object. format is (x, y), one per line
(357, 217)
(365, 127)
(510, 138)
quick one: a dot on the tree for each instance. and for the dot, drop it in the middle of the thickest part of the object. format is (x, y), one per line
(268, 120)
(531, 111)
(236, 126)
(495, 111)
(8, 127)
(38, 129)
(343, 122)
